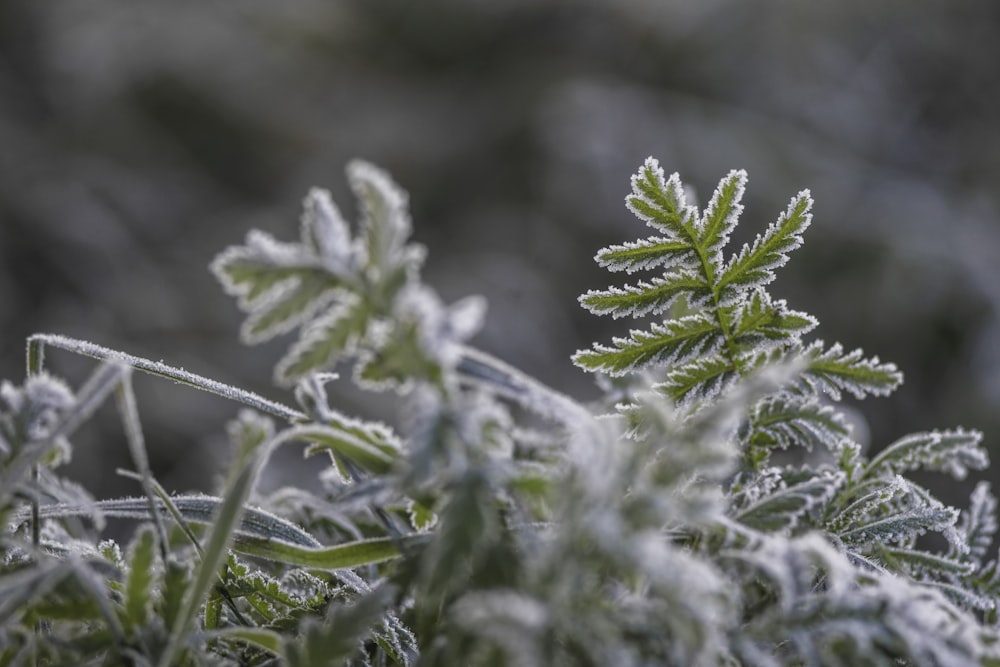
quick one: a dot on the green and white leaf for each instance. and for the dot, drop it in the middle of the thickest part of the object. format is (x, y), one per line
(721, 215)
(755, 265)
(327, 338)
(701, 379)
(787, 507)
(833, 371)
(784, 420)
(661, 203)
(978, 524)
(648, 298)
(673, 342)
(644, 254)
(954, 452)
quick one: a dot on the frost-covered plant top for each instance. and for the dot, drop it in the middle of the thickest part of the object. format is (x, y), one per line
(713, 508)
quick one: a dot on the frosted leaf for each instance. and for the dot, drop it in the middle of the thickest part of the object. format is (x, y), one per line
(721, 215)
(646, 298)
(754, 266)
(954, 452)
(650, 253)
(833, 371)
(661, 203)
(759, 320)
(332, 335)
(978, 524)
(325, 231)
(785, 508)
(33, 410)
(784, 420)
(899, 525)
(701, 379)
(251, 271)
(673, 342)
(440, 329)
(287, 305)
(385, 216)
(920, 564)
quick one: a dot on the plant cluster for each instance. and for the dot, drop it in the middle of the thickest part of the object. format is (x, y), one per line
(712, 508)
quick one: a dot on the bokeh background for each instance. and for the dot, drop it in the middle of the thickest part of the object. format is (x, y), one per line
(139, 137)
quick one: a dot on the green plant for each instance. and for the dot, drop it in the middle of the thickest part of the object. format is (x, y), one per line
(711, 509)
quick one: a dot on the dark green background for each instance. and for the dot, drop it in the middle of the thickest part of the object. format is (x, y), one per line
(139, 137)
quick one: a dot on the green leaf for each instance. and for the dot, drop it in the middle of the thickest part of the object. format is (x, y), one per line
(335, 640)
(784, 420)
(338, 557)
(251, 271)
(833, 371)
(290, 304)
(755, 264)
(325, 232)
(673, 342)
(375, 456)
(915, 562)
(261, 638)
(954, 452)
(786, 508)
(385, 218)
(329, 337)
(422, 518)
(646, 298)
(661, 204)
(978, 524)
(141, 577)
(700, 379)
(722, 214)
(899, 525)
(759, 319)
(648, 253)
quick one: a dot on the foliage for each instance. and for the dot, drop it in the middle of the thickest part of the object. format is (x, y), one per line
(712, 508)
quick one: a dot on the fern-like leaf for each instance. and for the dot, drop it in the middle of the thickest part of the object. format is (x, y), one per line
(661, 204)
(646, 254)
(700, 379)
(892, 513)
(787, 507)
(954, 452)
(646, 298)
(833, 371)
(784, 420)
(760, 320)
(141, 578)
(978, 523)
(755, 265)
(921, 564)
(721, 215)
(675, 341)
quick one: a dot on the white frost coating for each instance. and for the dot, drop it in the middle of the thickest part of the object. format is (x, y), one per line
(720, 229)
(978, 524)
(174, 373)
(324, 230)
(755, 264)
(275, 300)
(385, 217)
(263, 250)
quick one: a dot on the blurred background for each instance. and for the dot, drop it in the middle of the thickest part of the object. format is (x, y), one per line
(138, 138)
